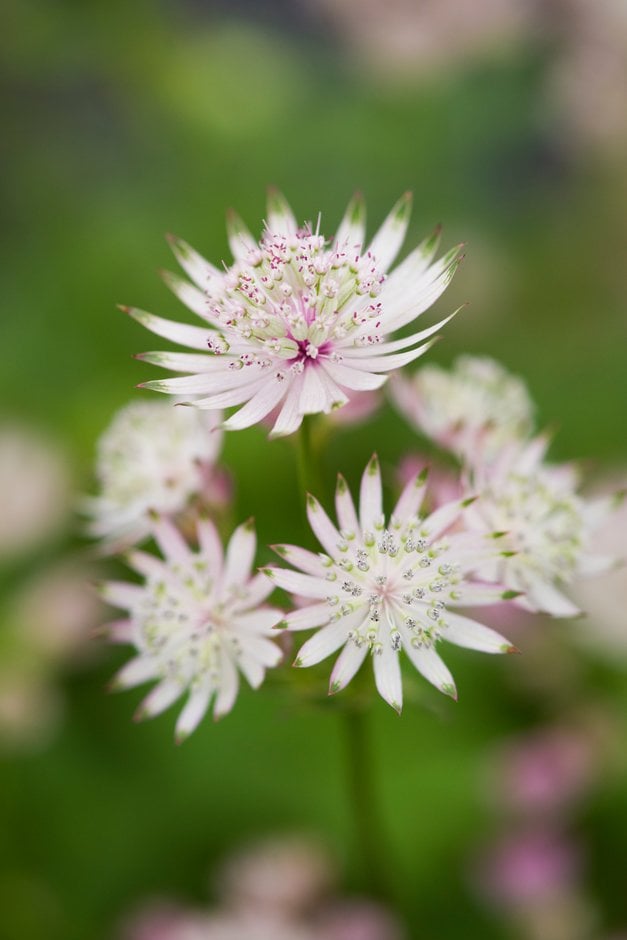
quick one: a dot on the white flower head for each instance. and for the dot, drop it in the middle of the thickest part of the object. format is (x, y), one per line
(152, 457)
(547, 525)
(477, 405)
(196, 622)
(298, 321)
(389, 587)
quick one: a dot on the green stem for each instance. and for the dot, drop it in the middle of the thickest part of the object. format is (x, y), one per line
(365, 803)
(309, 476)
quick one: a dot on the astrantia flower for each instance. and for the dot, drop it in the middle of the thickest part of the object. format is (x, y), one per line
(152, 456)
(195, 622)
(547, 525)
(299, 321)
(389, 588)
(475, 405)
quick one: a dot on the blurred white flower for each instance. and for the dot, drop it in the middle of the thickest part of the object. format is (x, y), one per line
(34, 490)
(195, 622)
(477, 405)
(299, 321)
(385, 588)
(153, 456)
(604, 599)
(405, 37)
(281, 877)
(547, 526)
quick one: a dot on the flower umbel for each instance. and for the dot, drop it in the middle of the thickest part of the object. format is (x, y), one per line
(152, 456)
(547, 526)
(475, 405)
(387, 588)
(195, 622)
(298, 321)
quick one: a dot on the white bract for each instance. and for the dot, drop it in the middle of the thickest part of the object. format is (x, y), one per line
(298, 321)
(547, 526)
(389, 588)
(196, 622)
(153, 456)
(476, 406)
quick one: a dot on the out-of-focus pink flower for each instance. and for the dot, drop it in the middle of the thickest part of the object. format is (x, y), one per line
(30, 708)
(359, 920)
(527, 868)
(57, 610)
(542, 773)
(34, 490)
(165, 921)
(282, 877)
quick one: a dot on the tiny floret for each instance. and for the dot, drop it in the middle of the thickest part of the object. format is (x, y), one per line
(395, 589)
(299, 324)
(196, 622)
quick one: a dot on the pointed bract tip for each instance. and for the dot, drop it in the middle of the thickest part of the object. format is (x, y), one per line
(510, 648)
(422, 477)
(180, 737)
(397, 708)
(334, 687)
(342, 486)
(281, 625)
(249, 525)
(510, 595)
(312, 502)
(141, 714)
(297, 663)
(114, 685)
(469, 501)
(269, 573)
(449, 689)
(279, 549)
(124, 308)
(373, 465)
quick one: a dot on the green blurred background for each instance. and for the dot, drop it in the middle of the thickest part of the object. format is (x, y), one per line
(125, 120)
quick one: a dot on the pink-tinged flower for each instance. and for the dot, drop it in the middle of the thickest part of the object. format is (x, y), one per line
(548, 527)
(298, 321)
(545, 772)
(529, 867)
(195, 622)
(386, 588)
(475, 406)
(359, 919)
(152, 457)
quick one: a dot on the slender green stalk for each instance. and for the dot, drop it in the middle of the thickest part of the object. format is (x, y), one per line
(309, 475)
(364, 800)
